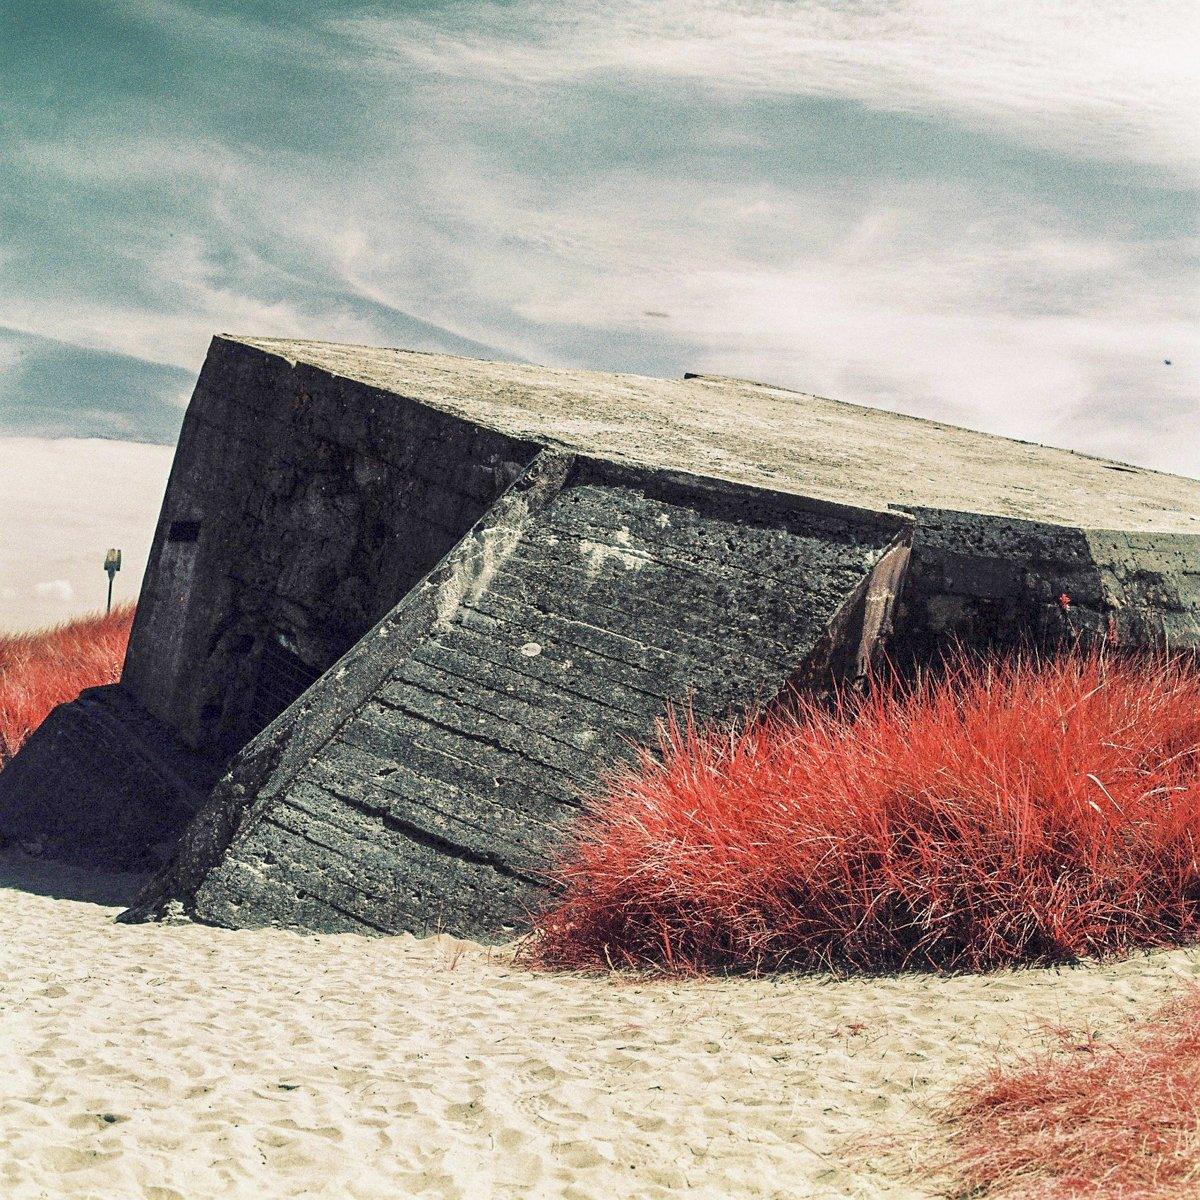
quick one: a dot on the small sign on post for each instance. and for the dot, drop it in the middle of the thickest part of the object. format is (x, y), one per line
(112, 564)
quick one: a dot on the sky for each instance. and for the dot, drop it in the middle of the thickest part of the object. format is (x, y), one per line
(65, 502)
(984, 213)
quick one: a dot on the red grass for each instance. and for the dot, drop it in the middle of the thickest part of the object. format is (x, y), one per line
(1118, 1122)
(1026, 812)
(41, 669)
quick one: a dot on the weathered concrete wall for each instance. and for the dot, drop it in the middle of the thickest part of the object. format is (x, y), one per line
(562, 630)
(1150, 584)
(300, 508)
(997, 581)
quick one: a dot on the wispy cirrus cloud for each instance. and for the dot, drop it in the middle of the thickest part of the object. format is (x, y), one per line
(1090, 78)
(984, 212)
(954, 303)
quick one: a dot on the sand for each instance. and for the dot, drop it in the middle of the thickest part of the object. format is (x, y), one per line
(184, 1061)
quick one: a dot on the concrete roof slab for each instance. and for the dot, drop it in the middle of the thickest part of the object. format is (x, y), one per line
(770, 437)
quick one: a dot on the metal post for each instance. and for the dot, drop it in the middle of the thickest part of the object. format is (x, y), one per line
(112, 564)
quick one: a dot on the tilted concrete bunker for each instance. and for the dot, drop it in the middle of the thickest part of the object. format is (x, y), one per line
(403, 609)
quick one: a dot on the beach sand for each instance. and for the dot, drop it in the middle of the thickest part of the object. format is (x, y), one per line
(173, 1061)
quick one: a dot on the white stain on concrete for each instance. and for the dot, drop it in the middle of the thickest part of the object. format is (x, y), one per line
(597, 554)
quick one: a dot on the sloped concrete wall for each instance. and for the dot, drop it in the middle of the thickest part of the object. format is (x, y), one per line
(434, 801)
(101, 782)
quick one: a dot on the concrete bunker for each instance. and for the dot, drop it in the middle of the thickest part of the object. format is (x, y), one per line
(402, 610)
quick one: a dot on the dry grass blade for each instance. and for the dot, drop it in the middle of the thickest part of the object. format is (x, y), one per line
(1010, 813)
(50, 666)
(1088, 1121)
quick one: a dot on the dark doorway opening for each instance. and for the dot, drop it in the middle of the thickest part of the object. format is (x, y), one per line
(282, 676)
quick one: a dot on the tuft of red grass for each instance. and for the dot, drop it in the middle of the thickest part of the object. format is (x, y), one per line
(1088, 1120)
(47, 667)
(1002, 813)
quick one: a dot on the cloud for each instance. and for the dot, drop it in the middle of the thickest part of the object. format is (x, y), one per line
(1099, 78)
(55, 388)
(59, 590)
(982, 213)
(963, 304)
(10, 353)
